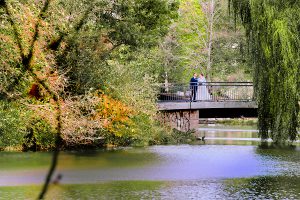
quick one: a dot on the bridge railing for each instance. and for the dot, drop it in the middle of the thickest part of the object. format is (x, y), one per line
(209, 91)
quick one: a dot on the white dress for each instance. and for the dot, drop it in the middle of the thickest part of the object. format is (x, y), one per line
(202, 93)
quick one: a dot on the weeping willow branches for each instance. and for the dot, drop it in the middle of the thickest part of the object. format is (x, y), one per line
(273, 32)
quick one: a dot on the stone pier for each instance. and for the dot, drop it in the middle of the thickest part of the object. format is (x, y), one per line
(182, 120)
(184, 116)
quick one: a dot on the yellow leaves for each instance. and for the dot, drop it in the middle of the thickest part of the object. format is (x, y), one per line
(115, 115)
(5, 38)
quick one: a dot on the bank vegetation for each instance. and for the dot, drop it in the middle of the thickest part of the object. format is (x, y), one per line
(78, 74)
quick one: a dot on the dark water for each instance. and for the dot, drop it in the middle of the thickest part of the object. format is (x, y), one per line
(222, 168)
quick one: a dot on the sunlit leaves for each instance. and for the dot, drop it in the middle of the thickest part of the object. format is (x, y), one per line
(67, 52)
(273, 34)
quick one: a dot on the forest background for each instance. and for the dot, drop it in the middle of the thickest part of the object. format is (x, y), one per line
(89, 70)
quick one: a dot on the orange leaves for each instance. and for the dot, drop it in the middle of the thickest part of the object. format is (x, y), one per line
(115, 114)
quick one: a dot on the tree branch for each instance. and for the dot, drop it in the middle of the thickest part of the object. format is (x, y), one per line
(26, 66)
(54, 44)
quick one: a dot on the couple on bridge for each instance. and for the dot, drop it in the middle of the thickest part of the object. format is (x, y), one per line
(198, 88)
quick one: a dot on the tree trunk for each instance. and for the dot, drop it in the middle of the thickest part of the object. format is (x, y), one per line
(210, 15)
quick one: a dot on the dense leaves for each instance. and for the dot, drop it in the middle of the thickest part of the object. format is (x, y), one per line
(57, 56)
(137, 23)
(272, 28)
(204, 39)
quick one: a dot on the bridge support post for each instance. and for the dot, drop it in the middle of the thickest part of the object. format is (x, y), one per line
(182, 120)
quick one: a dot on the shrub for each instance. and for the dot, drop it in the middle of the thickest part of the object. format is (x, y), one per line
(12, 124)
(39, 136)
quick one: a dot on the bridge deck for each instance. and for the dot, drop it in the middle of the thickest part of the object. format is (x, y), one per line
(181, 105)
(205, 105)
(211, 95)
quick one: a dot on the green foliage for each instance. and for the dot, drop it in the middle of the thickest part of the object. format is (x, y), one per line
(179, 137)
(230, 61)
(185, 49)
(54, 62)
(272, 28)
(119, 33)
(145, 131)
(118, 55)
(12, 124)
(172, 137)
(244, 122)
(40, 135)
(19, 127)
(137, 22)
(138, 131)
(122, 48)
(192, 37)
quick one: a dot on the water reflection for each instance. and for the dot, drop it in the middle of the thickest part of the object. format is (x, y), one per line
(230, 134)
(286, 160)
(108, 190)
(114, 158)
(264, 187)
(163, 163)
(17, 160)
(228, 169)
(269, 187)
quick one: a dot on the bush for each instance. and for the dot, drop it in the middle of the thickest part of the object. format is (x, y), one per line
(12, 124)
(20, 127)
(39, 136)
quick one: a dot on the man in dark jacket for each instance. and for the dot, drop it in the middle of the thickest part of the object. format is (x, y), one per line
(194, 86)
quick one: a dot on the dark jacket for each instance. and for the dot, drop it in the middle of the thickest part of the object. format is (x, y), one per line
(193, 83)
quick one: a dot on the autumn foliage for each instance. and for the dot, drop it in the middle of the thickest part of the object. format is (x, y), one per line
(56, 57)
(116, 114)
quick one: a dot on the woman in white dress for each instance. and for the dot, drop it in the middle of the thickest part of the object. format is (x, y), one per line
(202, 93)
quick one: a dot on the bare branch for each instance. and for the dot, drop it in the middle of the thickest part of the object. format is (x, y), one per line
(26, 60)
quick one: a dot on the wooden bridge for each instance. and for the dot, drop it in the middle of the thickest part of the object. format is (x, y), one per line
(182, 105)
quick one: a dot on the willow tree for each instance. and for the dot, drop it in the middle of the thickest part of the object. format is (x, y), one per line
(273, 32)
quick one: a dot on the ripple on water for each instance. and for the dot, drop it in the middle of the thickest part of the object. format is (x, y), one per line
(168, 172)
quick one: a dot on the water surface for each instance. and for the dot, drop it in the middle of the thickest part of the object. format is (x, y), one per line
(214, 169)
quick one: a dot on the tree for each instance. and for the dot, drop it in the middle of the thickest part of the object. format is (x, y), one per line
(196, 32)
(204, 39)
(192, 37)
(212, 11)
(230, 60)
(52, 52)
(272, 30)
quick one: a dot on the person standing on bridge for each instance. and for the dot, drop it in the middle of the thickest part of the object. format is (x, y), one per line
(203, 93)
(194, 87)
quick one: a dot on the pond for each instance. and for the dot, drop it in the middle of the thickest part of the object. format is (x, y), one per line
(222, 167)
